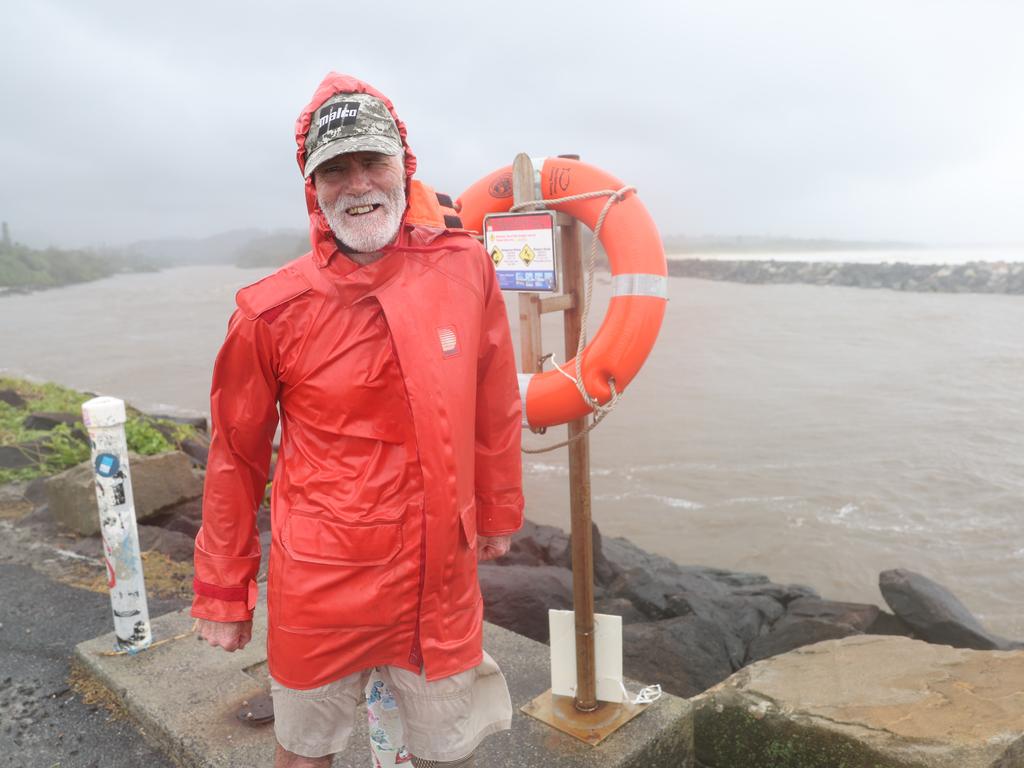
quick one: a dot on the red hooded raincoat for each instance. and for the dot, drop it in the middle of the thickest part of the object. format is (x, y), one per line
(400, 435)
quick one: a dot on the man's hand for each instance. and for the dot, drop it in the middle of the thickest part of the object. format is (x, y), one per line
(491, 547)
(229, 635)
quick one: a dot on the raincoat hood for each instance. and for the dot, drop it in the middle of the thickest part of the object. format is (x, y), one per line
(321, 236)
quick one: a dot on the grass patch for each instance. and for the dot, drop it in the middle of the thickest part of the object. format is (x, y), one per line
(93, 693)
(53, 451)
(165, 578)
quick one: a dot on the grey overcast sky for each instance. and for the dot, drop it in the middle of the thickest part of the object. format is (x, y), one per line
(899, 119)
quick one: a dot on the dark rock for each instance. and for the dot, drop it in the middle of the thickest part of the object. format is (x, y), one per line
(604, 571)
(792, 632)
(888, 624)
(859, 616)
(740, 619)
(35, 491)
(27, 454)
(650, 590)
(197, 448)
(199, 422)
(619, 606)
(184, 518)
(535, 544)
(981, 277)
(782, 593)
(47, 420)
(518, 597)
(934, 613)
(176, 545)
(624, 555)
(12, 398)
(686, 655)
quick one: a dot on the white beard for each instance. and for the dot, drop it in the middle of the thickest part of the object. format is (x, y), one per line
(371, 231)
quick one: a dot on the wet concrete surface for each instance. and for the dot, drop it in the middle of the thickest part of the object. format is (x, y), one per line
(43, 722)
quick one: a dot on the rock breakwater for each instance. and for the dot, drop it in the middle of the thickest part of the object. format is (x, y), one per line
(974, 277)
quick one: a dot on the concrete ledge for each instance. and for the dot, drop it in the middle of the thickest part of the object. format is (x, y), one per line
(184, 695)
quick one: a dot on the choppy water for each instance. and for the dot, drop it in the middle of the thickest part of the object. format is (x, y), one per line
(817, 435)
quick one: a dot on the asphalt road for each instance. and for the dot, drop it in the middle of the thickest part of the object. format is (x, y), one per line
(43, 723)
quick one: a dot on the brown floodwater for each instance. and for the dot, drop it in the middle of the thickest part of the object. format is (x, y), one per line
(814, 434)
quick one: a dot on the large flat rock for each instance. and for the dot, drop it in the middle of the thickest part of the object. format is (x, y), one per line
(185, 694)
(158, 481)
(868, 702)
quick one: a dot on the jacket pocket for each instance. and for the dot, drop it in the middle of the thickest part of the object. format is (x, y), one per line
(311, 539)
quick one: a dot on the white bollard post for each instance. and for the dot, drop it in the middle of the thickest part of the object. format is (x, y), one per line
(105, 417)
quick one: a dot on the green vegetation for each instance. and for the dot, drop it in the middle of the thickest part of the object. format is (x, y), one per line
(27, 268)
(24, 267)
(64, 446)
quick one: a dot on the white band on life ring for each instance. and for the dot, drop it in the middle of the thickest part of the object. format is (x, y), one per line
(524, 384)
(640, 284)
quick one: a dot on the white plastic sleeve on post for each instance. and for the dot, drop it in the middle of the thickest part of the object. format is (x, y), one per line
(104, 418)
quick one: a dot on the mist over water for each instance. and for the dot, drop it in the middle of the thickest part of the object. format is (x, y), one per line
(815, 434)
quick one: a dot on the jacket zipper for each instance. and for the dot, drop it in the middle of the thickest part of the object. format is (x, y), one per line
(416, 653)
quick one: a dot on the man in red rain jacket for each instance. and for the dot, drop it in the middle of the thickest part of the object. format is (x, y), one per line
(386, 352)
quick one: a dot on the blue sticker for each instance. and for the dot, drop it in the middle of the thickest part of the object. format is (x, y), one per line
(107, 465)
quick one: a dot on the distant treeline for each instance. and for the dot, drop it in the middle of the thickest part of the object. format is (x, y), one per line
(25, 268)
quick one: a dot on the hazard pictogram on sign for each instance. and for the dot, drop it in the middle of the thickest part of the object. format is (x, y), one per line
(522, 247)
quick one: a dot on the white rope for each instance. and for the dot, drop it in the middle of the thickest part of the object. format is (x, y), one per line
(599, 410)
(647, 695)
(558, 368)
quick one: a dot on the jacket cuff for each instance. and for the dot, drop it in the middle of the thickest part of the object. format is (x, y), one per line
(499, 517)
(216, 609)
(224, 585)
(223, 603)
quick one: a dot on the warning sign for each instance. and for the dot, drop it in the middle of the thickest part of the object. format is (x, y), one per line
(522, 247)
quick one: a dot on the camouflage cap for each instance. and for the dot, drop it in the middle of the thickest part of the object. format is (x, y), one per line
(350, 122)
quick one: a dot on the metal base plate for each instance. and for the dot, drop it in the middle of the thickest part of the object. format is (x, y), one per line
(256, 710)
(591, 727)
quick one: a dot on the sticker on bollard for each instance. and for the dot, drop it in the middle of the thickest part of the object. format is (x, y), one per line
(104, 418)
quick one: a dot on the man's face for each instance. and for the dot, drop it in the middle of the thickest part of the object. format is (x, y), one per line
(362, 194)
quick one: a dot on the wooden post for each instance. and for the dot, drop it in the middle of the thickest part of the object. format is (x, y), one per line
(531, 306)
(571, 251)
(530, 346)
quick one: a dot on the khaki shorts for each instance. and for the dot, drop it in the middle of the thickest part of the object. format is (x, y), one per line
(442, 720)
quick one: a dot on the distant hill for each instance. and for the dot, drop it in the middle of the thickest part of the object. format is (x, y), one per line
(221, 248)
(272, 250)
(242, 247)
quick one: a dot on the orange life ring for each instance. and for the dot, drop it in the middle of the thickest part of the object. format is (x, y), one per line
(639, 283)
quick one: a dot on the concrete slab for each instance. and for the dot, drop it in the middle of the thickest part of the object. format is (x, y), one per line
(185, 694)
